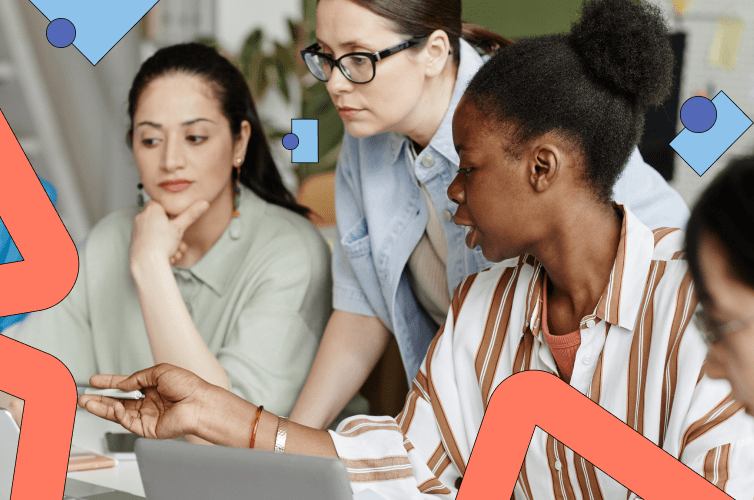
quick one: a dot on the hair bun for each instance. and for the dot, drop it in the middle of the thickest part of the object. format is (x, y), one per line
(626, 47)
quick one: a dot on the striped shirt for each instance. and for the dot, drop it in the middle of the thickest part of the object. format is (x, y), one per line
(640, 358)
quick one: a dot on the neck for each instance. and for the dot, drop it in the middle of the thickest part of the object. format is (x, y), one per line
(432, 106)
(578, 255)
(205, 232)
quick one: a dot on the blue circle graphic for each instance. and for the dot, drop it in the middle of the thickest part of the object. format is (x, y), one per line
(290, 141)
(698, 114)
(61, 32)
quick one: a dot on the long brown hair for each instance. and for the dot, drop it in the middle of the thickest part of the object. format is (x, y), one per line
(421, 18)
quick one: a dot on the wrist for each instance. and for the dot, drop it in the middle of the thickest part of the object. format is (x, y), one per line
(145, 265)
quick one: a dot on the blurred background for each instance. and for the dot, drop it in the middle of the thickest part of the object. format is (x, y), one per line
(71, 117)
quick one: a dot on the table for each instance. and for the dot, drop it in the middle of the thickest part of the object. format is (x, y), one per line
(89, 433)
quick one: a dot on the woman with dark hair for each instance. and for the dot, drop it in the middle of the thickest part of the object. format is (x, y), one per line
(220, 272)
(595, 298)
(396, 70)
(720, 250)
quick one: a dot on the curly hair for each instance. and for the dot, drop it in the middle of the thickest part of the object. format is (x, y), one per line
(592, 86)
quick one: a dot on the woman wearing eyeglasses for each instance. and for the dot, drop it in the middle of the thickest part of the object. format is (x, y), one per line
(396, 69)
(720, 248)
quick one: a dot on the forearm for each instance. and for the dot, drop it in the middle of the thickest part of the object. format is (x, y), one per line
(173, 337)
(351, 346)
(227, 420)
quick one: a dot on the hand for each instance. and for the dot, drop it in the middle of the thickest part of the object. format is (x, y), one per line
(173, 402)
(155, 234)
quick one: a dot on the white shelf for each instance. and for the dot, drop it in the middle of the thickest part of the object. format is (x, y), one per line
(30, 145)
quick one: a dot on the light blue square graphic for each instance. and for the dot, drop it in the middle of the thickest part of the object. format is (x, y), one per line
(100, 24)
(702, 150)
(307, 132)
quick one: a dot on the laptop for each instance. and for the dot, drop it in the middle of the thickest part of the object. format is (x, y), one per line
(74, 489)
(175, 470)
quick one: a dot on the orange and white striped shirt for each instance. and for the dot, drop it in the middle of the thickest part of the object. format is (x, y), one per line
(640, 358)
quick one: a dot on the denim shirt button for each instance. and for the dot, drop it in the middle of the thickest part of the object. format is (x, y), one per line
(447, 215)
(428, 160)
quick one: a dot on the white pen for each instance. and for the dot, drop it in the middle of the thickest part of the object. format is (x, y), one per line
(114, 393)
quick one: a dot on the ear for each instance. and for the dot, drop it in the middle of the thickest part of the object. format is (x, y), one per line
(239, 147)
(546, 160)
(438, 52)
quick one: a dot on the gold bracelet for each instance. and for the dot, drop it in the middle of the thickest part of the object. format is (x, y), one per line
(280, 439)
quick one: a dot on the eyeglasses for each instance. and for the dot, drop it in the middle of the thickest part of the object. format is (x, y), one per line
(713, 331)
(358, 67)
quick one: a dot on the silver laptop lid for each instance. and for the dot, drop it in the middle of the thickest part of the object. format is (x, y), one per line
(172, 470)
(9, 433)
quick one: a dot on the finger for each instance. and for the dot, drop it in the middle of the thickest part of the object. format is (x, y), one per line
(99, 408)
(103, 381)
(144, 378)
(127, 420)
(182, 247)
(190, 215)
(172, 261)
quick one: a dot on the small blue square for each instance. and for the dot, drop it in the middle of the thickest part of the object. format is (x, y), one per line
(307, 132)
(702, 150)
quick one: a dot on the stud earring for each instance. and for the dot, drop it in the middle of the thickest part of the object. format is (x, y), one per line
(140, 196)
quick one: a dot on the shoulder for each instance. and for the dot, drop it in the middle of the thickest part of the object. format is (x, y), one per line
(112, 231)
(290, 237)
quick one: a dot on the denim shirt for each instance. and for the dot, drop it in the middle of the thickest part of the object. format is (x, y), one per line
(381, 215)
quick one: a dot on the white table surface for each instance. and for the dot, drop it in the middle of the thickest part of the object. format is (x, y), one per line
(89, 433)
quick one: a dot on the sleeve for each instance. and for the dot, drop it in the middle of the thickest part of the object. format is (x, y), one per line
(646, 193)
(63, 330)
(718, 442)
(404, 457)
(348, 294)
(707, 429)
(269, 351)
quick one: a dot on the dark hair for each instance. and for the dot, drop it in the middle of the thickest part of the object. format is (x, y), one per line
(592, 85)
(258, 171)
(725, 211)
(420, 18)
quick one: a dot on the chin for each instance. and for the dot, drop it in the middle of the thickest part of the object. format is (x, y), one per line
(362, 129)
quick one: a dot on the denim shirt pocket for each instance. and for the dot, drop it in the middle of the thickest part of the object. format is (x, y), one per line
(357, 245)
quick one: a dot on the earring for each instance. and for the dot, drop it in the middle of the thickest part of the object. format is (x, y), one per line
(140, 196)
(235, 224)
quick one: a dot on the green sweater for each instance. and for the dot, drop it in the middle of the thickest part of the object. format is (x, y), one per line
(260, 302)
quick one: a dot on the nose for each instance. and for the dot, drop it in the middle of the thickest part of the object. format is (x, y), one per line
(173, 157)
(456, 190)
(338, 83)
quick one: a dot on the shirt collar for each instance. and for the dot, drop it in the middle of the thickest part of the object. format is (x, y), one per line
(442, 141)
(220, 264)
(623, 294)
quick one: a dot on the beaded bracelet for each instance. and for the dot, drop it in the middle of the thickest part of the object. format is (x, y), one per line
(254, 426)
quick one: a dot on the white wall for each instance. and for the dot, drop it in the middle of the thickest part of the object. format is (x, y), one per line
(236, 19)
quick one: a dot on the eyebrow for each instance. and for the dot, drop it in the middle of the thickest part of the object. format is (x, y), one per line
(350, 44)
(184, 124)
(458, 148)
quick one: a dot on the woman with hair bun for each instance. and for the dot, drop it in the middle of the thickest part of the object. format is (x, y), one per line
(396, 70)
(584, 290)
(220, 272)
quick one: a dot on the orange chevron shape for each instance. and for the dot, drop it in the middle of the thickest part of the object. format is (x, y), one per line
(583, 426)
(50, 262)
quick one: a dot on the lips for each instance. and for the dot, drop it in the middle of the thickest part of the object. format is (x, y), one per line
(346, 112)
(177, 185)
(472, 235)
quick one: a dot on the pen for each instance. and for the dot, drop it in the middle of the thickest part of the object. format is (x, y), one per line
(114, 393)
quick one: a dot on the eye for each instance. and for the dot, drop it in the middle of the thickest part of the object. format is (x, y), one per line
(359, 60)
(196, 139)
(465, 171)
(149, 142)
